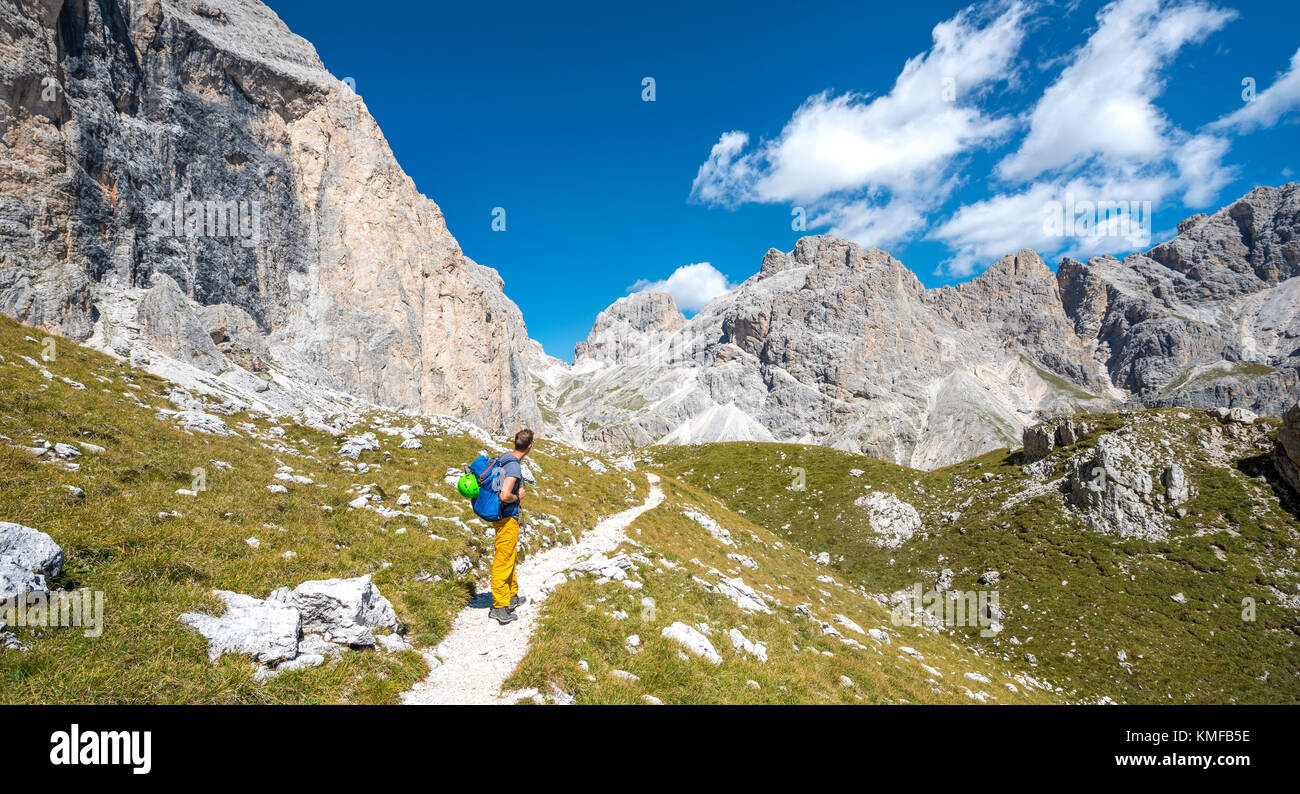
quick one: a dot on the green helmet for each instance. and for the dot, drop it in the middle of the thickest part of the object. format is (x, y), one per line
(467, 485)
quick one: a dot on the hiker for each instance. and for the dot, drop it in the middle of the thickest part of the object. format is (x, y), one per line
(505, 587)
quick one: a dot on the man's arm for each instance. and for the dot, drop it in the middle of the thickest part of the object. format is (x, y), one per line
(508, 494)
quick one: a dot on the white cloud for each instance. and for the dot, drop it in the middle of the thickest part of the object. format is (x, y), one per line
(1268, 106)
(982, 232)
(692, 286)
(850, 156)
(1101, 105)
(1096, 136)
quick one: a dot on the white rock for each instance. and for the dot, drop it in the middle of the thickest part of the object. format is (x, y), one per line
(693, 640)
(342, 610)
(264, 630)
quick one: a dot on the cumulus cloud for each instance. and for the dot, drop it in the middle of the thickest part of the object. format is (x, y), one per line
(692, 286)
(1036, 218)
(1268, 106)
(851, 155)
(1097, 138)
(1101, 106)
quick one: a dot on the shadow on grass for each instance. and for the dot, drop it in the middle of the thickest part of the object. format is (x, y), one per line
(1264, 465)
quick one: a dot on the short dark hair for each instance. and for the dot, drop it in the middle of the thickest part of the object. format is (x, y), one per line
(523, 439)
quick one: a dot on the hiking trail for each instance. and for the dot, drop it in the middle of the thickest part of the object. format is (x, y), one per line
(478, 654)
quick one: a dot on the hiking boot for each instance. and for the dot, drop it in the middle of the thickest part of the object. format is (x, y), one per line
(502, 615)
(517, 601)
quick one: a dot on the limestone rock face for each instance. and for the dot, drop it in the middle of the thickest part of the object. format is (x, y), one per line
(1210, 318)
(830, 343)
(207, 144)
(631, 327)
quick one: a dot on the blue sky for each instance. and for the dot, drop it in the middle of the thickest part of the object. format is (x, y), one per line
(946, 133)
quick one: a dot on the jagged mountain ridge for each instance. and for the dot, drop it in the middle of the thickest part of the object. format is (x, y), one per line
(837, 345)
(354, 287)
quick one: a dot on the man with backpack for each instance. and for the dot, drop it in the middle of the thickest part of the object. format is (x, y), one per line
(505, 587)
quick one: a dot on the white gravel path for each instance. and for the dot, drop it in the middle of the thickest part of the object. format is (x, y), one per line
(478, 654)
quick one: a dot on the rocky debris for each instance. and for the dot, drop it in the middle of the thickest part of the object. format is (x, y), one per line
(1287, 455)
(755, 649)
(893, 521)
(943, 582)
(1113, 487)
(990, 577)
(353, 446)
(299, 628)
(693, 640)
(742, 595)
(719, 533)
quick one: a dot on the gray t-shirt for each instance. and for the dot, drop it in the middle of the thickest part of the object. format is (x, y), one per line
(510, 468)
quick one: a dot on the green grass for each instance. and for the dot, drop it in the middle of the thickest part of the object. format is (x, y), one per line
(1073, 598)
(1206, 377)
(584, 622)
(153, 568)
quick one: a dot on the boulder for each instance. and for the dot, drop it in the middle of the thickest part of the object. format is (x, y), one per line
(694, 641)
(28, 558)
(172, 325)
(893, 521)
(1038, 442)
(342, 610)
(744, 596)
(236, 335)
(265, 630)
(1069, 433)
(1178, 488)
(30, 549)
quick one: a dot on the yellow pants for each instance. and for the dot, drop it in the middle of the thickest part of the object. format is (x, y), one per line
(504, 583)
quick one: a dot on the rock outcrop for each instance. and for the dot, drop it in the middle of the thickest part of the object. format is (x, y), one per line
(1287, 455)
(299, 628)
(168, 160)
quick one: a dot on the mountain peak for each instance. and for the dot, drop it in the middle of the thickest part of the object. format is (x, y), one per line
(628, 325)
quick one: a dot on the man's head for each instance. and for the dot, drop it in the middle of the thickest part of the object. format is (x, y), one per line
(523, 442)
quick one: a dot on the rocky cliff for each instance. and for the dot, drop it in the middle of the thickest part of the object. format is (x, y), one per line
(201, 150)
(833, 344)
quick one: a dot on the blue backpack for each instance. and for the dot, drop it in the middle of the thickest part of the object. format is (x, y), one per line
(487, 505)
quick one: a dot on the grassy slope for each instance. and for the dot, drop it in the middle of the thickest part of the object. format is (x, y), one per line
(1073, 598)
(153, 568)
(583, 623)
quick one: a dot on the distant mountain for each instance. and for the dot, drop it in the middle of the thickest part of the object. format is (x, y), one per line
(836, 345)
